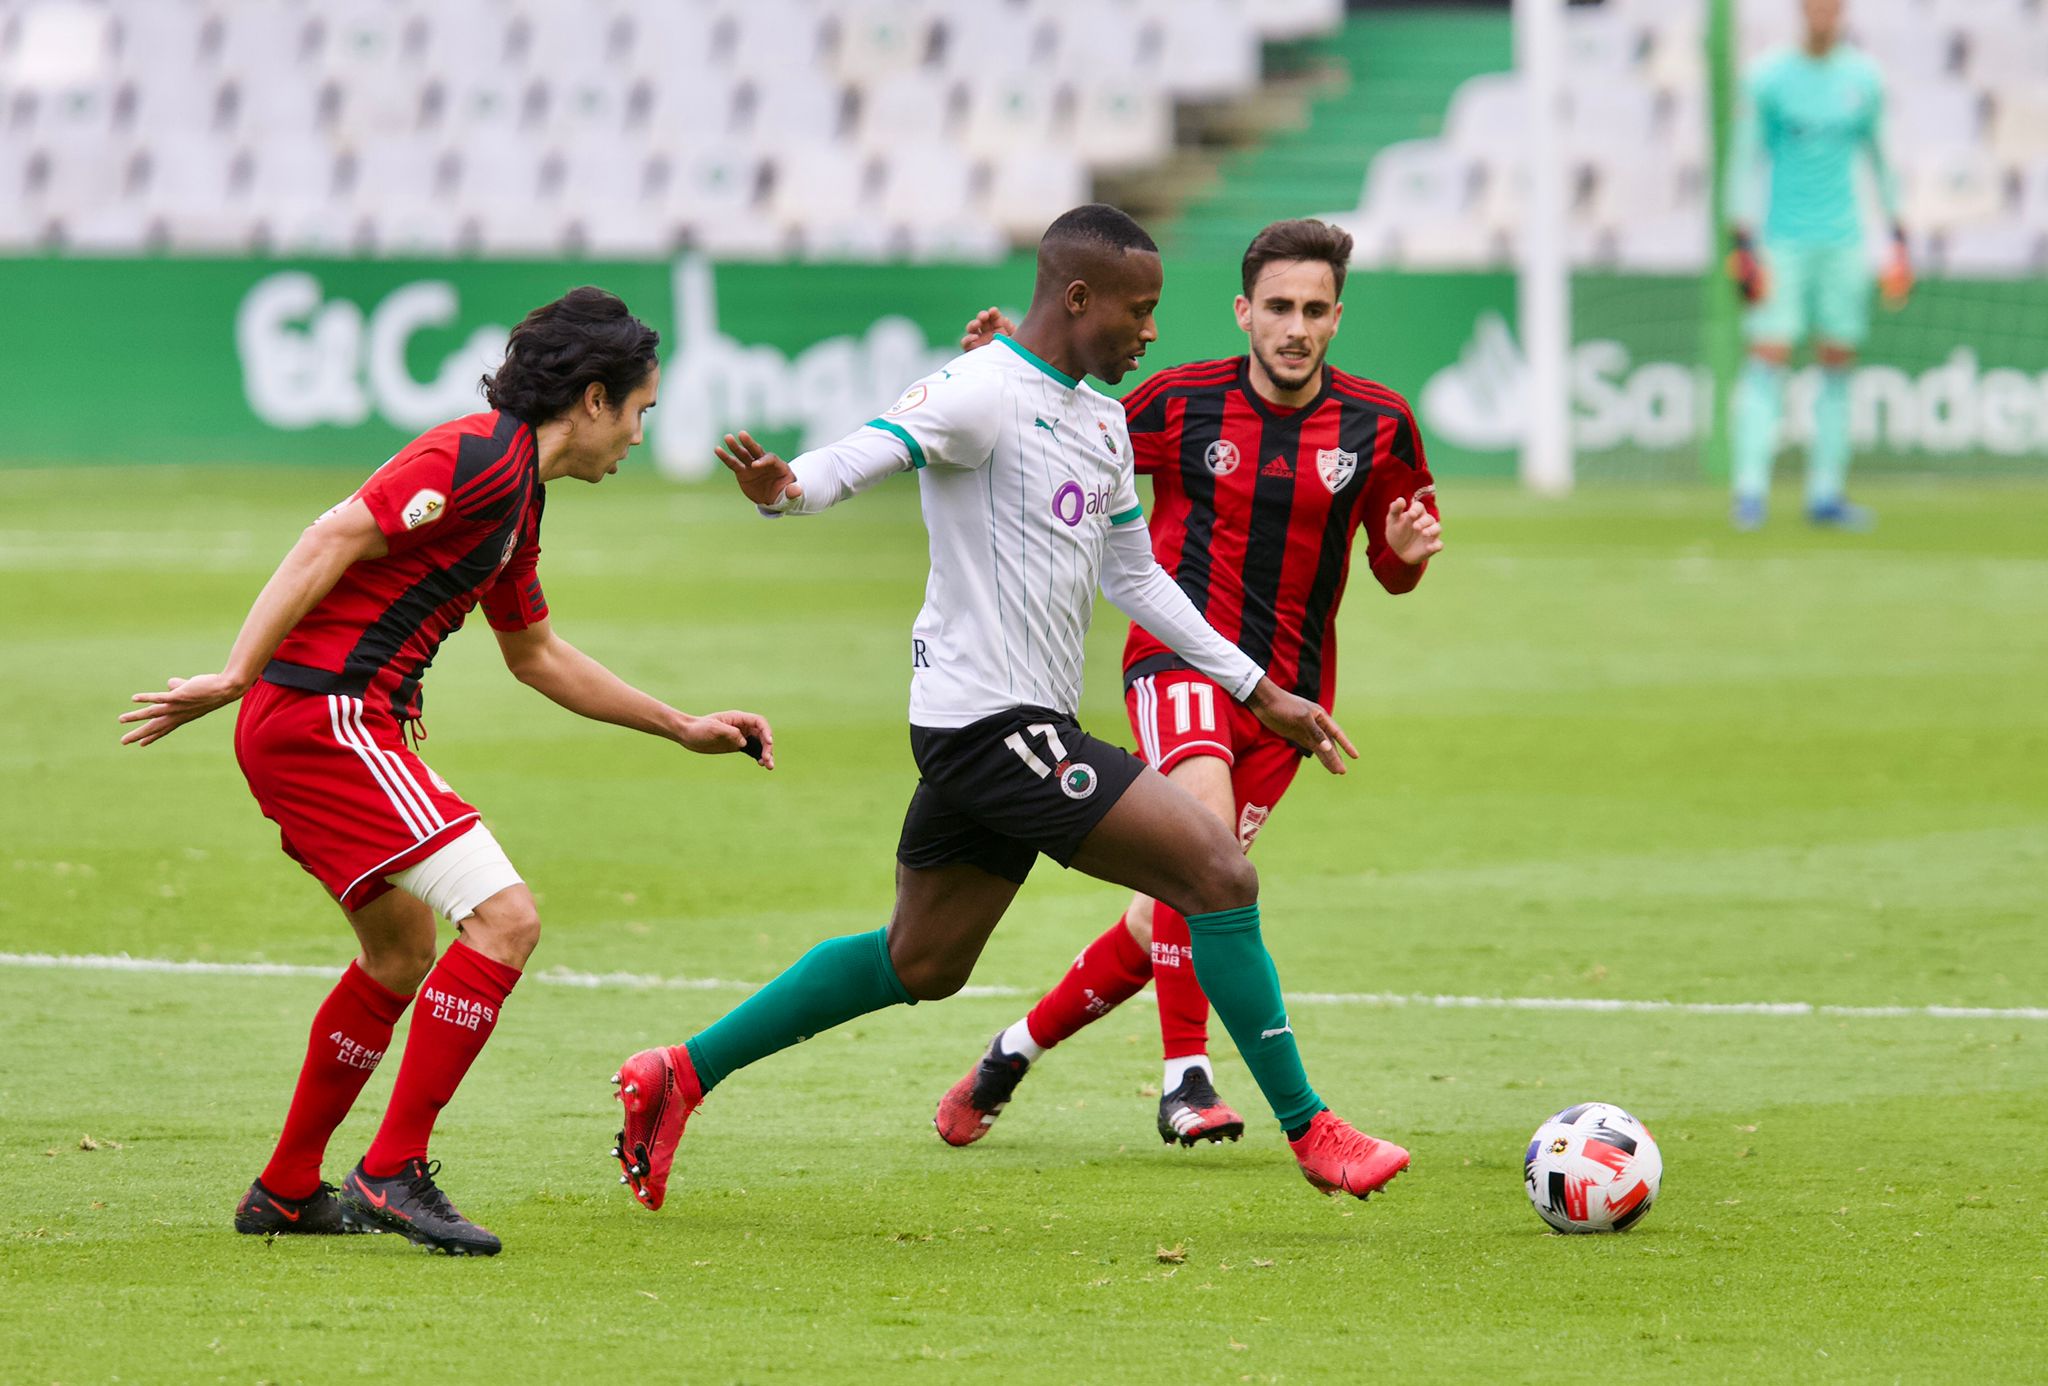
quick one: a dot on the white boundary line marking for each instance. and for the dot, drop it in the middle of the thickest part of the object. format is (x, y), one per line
(1383, 1000)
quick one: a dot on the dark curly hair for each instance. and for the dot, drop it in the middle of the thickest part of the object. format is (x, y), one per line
(560, 348)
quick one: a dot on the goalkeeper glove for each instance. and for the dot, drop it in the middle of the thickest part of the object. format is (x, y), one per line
(1895, 283)
(1751, 280)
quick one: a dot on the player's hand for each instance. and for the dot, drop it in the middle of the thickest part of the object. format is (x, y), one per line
(1303, 723)
(186, 700)
(1752, 280)
(1895, 282)
(765, 479)
(721, 733)
(983, 328)
(1412, 532)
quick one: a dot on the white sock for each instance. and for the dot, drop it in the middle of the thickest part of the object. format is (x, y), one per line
(1177, 1070)
(1017, 1040)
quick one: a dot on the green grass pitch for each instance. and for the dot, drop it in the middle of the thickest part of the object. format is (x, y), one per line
(1612, 751)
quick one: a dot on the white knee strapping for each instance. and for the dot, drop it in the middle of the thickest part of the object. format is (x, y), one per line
(461, 876)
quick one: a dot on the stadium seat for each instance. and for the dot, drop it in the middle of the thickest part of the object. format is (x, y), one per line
(1934, 115)
(1028, 188)
(1488, 117)
(1209, 49)
(908, 106)
(157, 40)
(879, 44)
(2000, 250)
(295, 171)
(925, 180)
(2007, 58)
(2019, 122)
(1953, 187)
(823, 183)
(270, 104)
(1281, 20)
(167, 101)
(59, 44)
(963, 238)
(1006, 113)
(1120, 124)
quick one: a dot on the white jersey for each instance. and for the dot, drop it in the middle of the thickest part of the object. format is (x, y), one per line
(1025, 476)
(1022, 470)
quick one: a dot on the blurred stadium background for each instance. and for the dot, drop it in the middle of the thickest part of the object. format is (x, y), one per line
(1745, 832)
(295, 231)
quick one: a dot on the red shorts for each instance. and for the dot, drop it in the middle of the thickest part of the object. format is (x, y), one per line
(1178, 713)
(352, 802)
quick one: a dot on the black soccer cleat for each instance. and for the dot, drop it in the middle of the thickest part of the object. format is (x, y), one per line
(410, 1204)
(1193, 1112)
(972, 1105)
(262, 1213)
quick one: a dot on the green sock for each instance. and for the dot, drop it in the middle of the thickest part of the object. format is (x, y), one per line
(1234, 968)
(1827, 462)
(1758, 397)
(839, 979)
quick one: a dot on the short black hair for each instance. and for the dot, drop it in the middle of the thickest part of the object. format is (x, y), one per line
(1083, 239)
(560, 348)
(1109, 227)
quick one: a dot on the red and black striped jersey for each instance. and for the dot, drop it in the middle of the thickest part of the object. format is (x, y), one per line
(1254, 508)
(460, 509)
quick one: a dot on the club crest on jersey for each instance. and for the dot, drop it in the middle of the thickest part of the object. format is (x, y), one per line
(1108, 438)
(1077, 780)
(912, 397)
(1221, 457)
(424, 508)
(1336, 466)
(1250, 821)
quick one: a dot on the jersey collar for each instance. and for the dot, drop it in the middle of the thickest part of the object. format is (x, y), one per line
(1064, 379)
(1271, 412)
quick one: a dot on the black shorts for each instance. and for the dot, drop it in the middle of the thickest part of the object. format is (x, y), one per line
(997, 792)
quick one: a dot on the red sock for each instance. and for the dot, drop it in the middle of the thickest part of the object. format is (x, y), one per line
(459, 1004)
(1109, 972)
(1183, 1007)
(351, 1030)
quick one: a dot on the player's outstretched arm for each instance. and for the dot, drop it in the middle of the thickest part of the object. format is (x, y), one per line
(820, 478)
(764, 478)
(542, 660)
(1302, 722)
(307, 574)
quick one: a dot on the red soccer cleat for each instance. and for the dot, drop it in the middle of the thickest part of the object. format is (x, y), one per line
(972, 1105)
(659, 1089)
(1336, 1157)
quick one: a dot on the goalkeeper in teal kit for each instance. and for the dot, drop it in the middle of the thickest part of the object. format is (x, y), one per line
(1807, 112)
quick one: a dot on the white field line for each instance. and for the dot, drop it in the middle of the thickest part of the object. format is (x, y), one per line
(642, 981)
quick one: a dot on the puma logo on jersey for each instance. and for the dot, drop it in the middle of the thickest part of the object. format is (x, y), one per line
(1053, 428)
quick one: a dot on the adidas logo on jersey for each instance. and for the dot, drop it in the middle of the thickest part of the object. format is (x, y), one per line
(1279, 466)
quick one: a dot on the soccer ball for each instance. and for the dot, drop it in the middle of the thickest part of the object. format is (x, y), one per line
(1592, 1168)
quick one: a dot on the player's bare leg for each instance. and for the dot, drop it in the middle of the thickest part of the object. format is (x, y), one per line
(1159, 840)
(1107, 973)
(942, 920)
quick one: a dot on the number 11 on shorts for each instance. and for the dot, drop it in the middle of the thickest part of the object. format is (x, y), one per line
(1192, 701)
